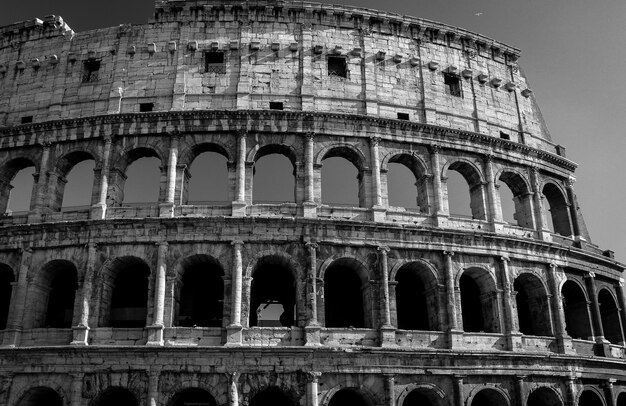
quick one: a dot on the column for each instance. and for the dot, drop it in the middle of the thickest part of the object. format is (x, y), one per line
(81, 330)
(18, 304)
(435, 162)
(233, 392)
(312, 329)
(42, 178)
(570, 398)
(455, 331)
(609, 392)
(309, 176)
(155, 332)
(239, 205)
(563, 340)
(519, 391)
(98, 211)
(377, 201)
(167, 208)
(459, 395)
(573, 207)
(153, 387)
(387, 330)
(313, 384)
(542, 231)
(495, 210)
(76, 394)
(390, 389)
(621, 300)
(590, 281)
(511, 327)
(234, 330)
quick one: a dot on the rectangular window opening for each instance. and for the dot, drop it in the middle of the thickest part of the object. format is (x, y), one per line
(146, 107)
(91, 70)
(403, 116)
(276, 105)
(27, 119)
(453, 84)
(337, 66)
(504, 135)
(214, 62)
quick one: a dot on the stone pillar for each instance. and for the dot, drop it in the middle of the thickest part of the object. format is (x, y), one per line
(609, 392)
(98, 210)
(42, 181)
(153, 387)
(542, 232)
(166, 209)
(155, 331)
(312, 329)
(435, 162)
(511, 323)
(81, 330)
(564, 342)
(239, 205)
(390, 390)
(592, 291)
(17, 306)
(571, 196)
(455, 332)
(309, 176)
(519, 391)
(76, 391)
(387, 330)
(377, 200)
(495, 210)
(234, 330)
(233, 392)
(459, 395)
(570, 396)
(313, 382)
(621, 300)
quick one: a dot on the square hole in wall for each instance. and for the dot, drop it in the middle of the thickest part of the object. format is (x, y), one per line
(214, 62)
(403, 116)
(276, 105)
(452, 84)
(504, 135)
(26, 119)
(337, 66)
(91, 70)
(146, 107)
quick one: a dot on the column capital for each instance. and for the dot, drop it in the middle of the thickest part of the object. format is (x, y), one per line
(569, 182)
(375, 141)
(434, 148)
(313, 376)
(553, 266)
(312, 245)
(448, 253)
(108, 138)
(488, 157)
(25, 250)
(621, 282)
(520, 377)
(237, 243)
(383, 249)
(91, 245)
(309, 135)
(609, 383)
(45, 142)
(162, 244)
(175, 133)
(242, 133)
(505, 259)
(589, 275)
(233, 376)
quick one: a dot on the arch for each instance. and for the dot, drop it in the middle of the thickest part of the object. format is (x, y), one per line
(199, 292)
(343, 150)
(419, 170)
(558, 207)
(621, 399)
(591, 397)
(8, 173)
(119, 172)
(423, 394)
(274, 180)
(125, 293)
(187, 156)
(348, 396)
(134, 152)
(479, 301)
(7, 277)
(206, 178)
(52, 295)
(577, 321)
(532, 305)
(523, 214)
(544, 396)
(115, 396)
(62, 195)
(354, 156)
(258, 152)
(273, 292)
(271, 396)
(475, 181)
(40, 396)
(417, 297)
(192, 396)
(347, 294)
(610, 317)
(488, 396)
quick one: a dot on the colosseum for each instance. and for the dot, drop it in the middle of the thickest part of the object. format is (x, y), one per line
(303, 301)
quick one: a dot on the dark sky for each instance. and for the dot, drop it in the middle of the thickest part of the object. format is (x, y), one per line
(573, 52)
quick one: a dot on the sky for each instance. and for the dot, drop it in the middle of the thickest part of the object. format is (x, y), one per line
(573, 53)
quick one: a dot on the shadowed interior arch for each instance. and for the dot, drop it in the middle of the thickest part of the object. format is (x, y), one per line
(621, 399)
(271, 396)
(543, 397)
(417, 397)
(200, 293)
(115, 396)
(348, 396)
(489, 397)
(192, 397)
(41, 396)
(478, 302)
(273, 293)
(590, 398)
(609, 314)
(532, 306)
(346, 295)
(577, 321)
(128, 284)
(558, 210)
(51, 296)
(6, 287)
(416, 298)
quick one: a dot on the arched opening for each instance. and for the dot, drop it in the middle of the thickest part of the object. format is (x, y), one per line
(577, 321)
(489, 397)
(348, 396)
(342, 178)
(459, 188)
(479, 305)
(208, 181)
(559, 210)
(543, 397)
(346, 295)
(590, 398)
(75, 178)
(201, 293)
(193, 397)
(418, 398)
(403, 171)
(515, 200)
(274, 175)
(621, 399)
(115, 396)
(16, 186)
(41, 396)
(129, 293)
(532, 306)
(143, 179)
(609, 314)
(273, 293)
(6, 287)
(416, 298)
(271, 396)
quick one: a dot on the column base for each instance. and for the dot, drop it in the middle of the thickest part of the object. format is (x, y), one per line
(497, 226)
(80, 334)
(238, 209)
(11, 338)
(166, 210)
(309, 209)
(455, 339)
(544, 235)
(98, 212)
(440, 220)
(155, 335)
(312, 336)
(565, 345)
(514, 341)
(234, 335)
(387, 336)
(379, 213)
(602, 347)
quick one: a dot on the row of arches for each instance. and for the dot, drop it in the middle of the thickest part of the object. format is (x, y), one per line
(140, 176)
(422, 395)
(347, 297)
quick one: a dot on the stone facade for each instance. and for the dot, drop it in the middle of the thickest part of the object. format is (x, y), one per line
(157, 304)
